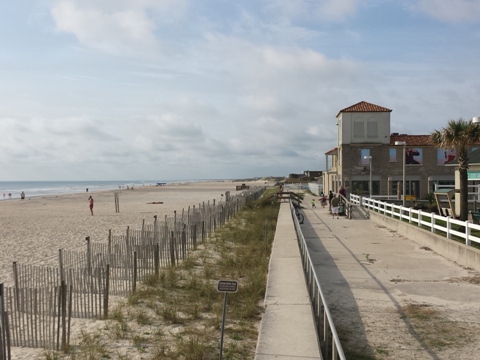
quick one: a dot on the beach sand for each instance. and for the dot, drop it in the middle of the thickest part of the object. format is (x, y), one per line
(33, 230)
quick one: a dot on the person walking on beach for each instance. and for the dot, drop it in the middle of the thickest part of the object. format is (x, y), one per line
(22, 196)
(335, 202)
(90, 201)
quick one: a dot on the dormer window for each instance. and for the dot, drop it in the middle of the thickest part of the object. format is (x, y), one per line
(372, 129)
(359, 129)
(368, 128)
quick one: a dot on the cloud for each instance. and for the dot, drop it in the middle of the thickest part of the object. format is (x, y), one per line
(332, 10)
(119, 27)
(451, 10)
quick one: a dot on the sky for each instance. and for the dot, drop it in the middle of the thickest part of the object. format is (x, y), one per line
(197, 89)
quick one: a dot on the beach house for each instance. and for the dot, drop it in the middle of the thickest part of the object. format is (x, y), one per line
(368, 154)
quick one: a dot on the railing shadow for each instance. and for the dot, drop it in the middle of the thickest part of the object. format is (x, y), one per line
(338, 296)
(338, 293)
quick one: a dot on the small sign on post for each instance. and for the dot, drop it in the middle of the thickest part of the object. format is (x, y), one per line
(229, 286)
(225, 286)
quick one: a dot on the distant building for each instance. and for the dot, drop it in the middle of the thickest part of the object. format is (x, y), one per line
(312, 174)
(364, 138)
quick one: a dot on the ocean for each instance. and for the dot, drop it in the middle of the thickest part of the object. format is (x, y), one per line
(42, 188)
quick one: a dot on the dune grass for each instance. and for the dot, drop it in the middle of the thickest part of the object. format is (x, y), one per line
(177, 314)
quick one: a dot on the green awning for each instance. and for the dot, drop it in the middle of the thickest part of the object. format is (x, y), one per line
(473, 175)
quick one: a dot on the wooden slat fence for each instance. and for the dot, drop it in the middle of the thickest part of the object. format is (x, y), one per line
(5, 353)
(89, 286)
(38, 317)
(36, 312)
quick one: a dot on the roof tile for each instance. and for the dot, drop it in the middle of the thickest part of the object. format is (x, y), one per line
(364, 106)
(411, 140)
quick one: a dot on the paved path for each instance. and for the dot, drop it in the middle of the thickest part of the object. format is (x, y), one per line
(392, 299)
(287, 330)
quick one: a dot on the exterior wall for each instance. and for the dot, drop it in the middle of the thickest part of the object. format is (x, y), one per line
(386, 171)
(346, 123)
(346, 165)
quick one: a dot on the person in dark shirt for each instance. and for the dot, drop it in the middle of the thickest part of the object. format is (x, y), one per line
(330, 197)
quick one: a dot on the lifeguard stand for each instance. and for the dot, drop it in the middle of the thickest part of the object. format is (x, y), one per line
(449, 194)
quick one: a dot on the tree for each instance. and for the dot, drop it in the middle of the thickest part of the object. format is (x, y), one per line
(460, 135)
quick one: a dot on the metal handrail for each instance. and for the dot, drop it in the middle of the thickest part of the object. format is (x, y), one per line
(327, 336)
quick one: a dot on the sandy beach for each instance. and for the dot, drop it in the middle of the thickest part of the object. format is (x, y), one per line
(33, 230)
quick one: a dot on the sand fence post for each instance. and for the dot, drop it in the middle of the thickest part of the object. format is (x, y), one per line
(194, 236)
(4, 343)
(64, 315)
(176, 235)
(117, 202)
(19, 305)
(60, 265)
(134, 284)
(165, 240)
(89, 256)
(156, 258)
(109, 246)
(214, 216)
(155, 230)
(107, 292)
(184, 241)
(172, 249)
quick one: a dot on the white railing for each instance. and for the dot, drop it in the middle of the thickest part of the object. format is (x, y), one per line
(315, 188)
(295, 186)
(435, 223)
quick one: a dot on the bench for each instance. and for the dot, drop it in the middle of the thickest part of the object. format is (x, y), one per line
(475, 217)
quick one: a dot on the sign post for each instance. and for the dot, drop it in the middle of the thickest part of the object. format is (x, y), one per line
(225, 286)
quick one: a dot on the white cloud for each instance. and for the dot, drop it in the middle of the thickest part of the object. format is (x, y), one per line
(120, 26)
(319, 9)
(339, 9)
(451, 10)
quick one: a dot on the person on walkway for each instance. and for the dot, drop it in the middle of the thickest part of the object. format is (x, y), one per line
(313, 204)
(342, 192)
(330, 197)
(323, 200)
(90, 201)
(335, 202)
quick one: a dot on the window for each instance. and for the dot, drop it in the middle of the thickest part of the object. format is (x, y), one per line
(412, 188)
(445, 156)
(392, 155)
(364, 153)
(362, 187)
(414, 156)
(359, 129)
(372, 129)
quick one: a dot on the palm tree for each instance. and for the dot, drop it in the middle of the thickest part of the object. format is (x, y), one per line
(460, 135)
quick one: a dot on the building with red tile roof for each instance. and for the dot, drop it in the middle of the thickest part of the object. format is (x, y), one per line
(365, 140)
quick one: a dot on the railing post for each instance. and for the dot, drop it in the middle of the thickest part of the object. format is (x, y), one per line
(432, 229)
(449, 226)
(467, 233)
(409, 215)
(419, 218)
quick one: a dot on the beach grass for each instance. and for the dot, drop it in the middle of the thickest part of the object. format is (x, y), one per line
(177, 314)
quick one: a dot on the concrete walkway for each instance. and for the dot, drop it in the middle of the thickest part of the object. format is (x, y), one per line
(390, 297)
(287, 329)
